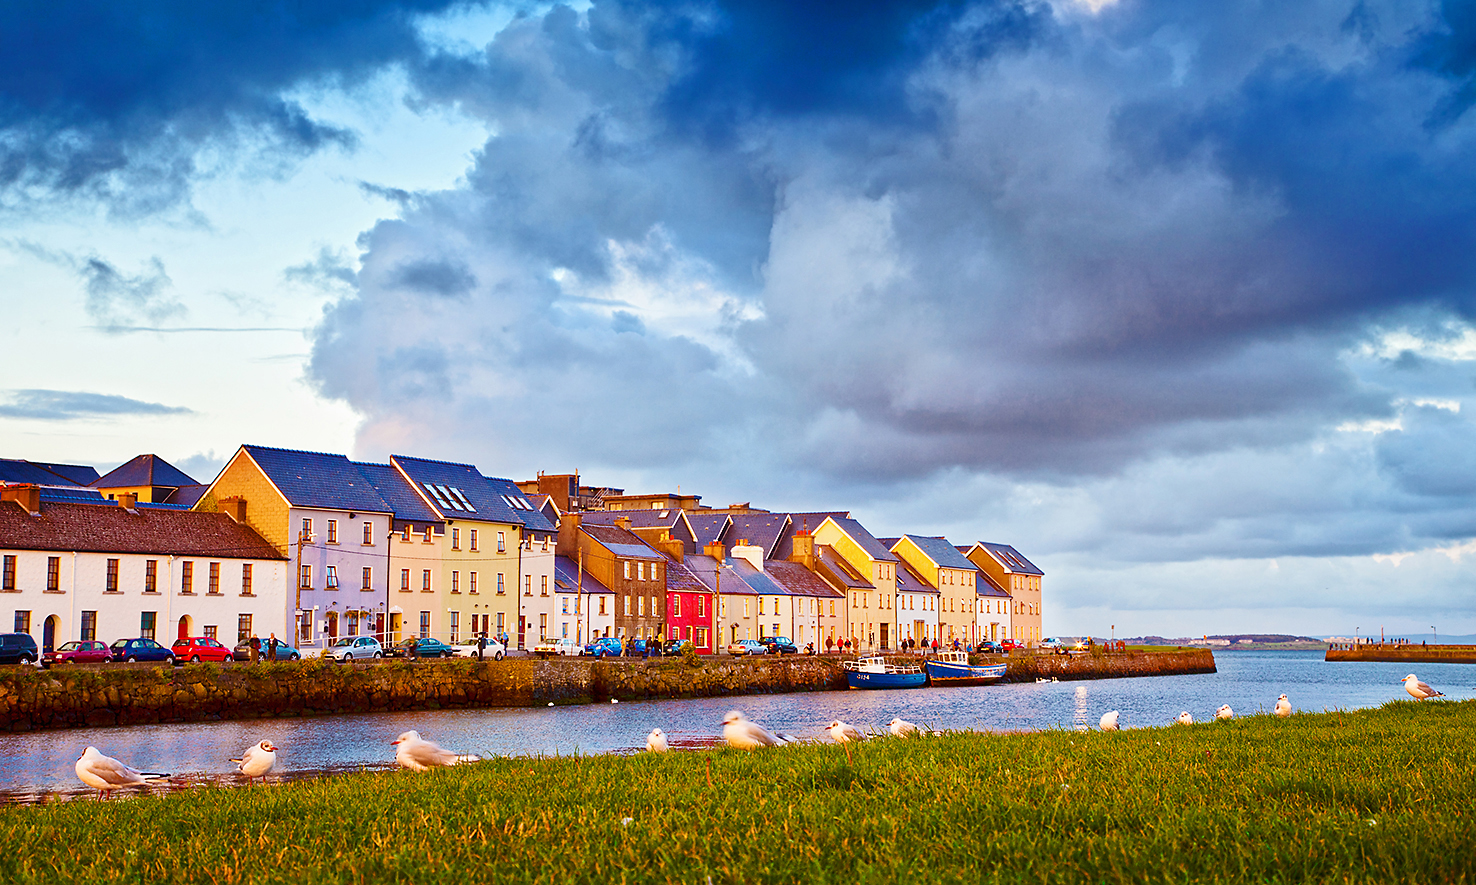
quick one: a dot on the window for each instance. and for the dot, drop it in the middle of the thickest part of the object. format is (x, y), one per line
(305, 577)
(368, 534)
(602, 604)
(405, 533)
(566, 605)
(654, 575)
(641, 571)
(211, 631)
(627, 569)
(473, 540)
(545, 585)
(22, 622)
(543, 625)
(427, 534)
(112, 585)
(245, 579)
(455, 581)
(641, 606)
(745, 608)
(424, 623)
(214, 579)
(527, 585)
(472, 587)
(146, 623)
(425, 581)
(501, 543)
(187, 577)
(455, 625)
(500, 588)
(404, 580)
(676, 606)
(501, 623)
(566, 628)
(368, 578)
(243, 622)
(456, 539)
(89, 626)
(7, 581)
(307, 531)
(331, 579)
(701, 606)
(760, 605)
(332, 531)
(627, 606)
(53, 574)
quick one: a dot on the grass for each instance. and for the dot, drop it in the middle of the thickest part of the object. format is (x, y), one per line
(1375, 795)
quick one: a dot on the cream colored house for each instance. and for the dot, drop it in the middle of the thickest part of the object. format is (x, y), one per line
(872, 615)
(1020, 578)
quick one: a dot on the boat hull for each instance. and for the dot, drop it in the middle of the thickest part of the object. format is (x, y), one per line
(861, 679)
(942, 673)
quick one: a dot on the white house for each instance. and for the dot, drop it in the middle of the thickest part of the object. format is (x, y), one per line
(584, 607)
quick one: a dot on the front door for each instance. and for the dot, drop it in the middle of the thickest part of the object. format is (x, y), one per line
(884, 626)
(48, 634)
(522, 630)
(394, 627)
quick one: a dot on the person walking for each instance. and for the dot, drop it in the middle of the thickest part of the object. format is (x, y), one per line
(481, 645)
(410, 648)
(272, 649)
(829, 644)
(255, 649)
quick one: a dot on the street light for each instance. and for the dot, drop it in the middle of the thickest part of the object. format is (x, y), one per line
(1434, 637)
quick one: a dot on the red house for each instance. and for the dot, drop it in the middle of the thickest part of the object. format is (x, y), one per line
(689, 612)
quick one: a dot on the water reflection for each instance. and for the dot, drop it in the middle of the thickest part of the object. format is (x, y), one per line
(1248, 681)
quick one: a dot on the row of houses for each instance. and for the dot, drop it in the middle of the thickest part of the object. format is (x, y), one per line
(317, 546)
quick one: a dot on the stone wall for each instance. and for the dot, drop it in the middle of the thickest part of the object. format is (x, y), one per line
(1114, 665)
(1410, 654)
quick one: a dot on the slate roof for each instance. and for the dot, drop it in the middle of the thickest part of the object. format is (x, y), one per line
(708, 527)
(621, 542)
(834, 568)
(398, 493)
(758, 579)
(639, 519)
(72, 495)
(318, 479)
(566, 578)
(809, 521)
(858, 533)
(799, 580)
(987, 586)
(1010, 558)
(909, 581)
(944, 554)
(111, 529)
(187, 496)
(705, 568)
(439, 481)
(680, 579)
(528, 513)
(18, 470)
(760, 529)
(144, 470)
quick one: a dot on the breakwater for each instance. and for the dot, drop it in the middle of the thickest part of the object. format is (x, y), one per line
(1403, 652)
(107, 695)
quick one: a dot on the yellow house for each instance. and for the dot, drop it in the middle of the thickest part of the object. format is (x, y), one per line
(844, 545)
(952, 575)
(1021, 579)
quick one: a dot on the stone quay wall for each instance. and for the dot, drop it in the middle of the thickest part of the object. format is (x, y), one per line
(135, 694)
(1403, 652)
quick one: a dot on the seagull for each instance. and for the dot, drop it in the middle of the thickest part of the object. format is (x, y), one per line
(614, 700)
(1224, 712)
(1109, 721)
(1419, 690)
(655, 741)
(258, 761)
(417, 754)
(1185, 718)
(842, 733)
(106, 774)
(901, 728)
(1283, 707)
(744, 735)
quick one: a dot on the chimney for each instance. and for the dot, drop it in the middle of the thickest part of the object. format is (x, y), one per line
(234, 507)
(27, 496)
(568, 543)
(716, 551)
(750, 553)
(623, 522)
(128, 501)
(672, 547)
(804, 549)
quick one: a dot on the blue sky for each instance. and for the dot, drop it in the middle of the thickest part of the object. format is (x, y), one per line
(1176, 297)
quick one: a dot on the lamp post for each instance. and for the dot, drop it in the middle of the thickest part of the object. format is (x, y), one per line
(1434, 637)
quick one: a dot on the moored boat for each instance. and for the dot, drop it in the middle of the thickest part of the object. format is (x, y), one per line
(875, 672)
(953, 668)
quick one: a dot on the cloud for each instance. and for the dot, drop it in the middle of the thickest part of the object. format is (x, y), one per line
(67, 405)
(117, 301)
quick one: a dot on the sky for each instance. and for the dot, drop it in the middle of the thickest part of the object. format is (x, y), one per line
(1179, 298)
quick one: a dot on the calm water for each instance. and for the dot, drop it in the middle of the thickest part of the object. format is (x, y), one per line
(1247, 681)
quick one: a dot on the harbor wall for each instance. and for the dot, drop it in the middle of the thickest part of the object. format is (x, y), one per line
(1403, 652)
(136, 694)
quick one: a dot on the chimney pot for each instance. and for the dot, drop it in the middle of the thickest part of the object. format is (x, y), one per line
(27, 496)
(234, 507)
(128, 501)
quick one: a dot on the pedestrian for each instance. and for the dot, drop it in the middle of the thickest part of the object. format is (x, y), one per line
(255, 649)
(481, 645)
(935, 647)
(410, 648)
(272, 649)
(829, 644)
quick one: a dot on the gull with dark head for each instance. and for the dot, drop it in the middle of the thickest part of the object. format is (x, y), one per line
(106, 774)
(1224, 712)
(1184, 719)
(656, 741)
(1419, 690)
(1283, 707)
(745, 735)
(258, 761)
(842, 733)
(418, 754)
(902, 728)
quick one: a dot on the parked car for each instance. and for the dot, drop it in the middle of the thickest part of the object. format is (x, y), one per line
(779, 645)
(1010, 645)
(135, 650)
(199, 648)
(556, 645)
(467, 648)
(989, 647)
(425, 647)
(285, 652)
(741, 647)
(674, 647)
(79, 651)
(1052, 644)
(604, 647)
(18, 648)
(354, 648)
(636, 648)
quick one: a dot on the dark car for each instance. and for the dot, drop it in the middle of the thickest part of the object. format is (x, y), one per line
(18, 648)
(636, 648)
(990, 647)
(425, 647)
(674, 647)
(79, 651)
(145, 650)
(199, 648)
(779, 645)
(285, 652)
(604, 647)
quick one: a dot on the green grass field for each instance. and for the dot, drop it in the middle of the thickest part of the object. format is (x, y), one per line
(1375, 795)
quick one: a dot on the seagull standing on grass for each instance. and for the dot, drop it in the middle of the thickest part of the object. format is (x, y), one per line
(1419, 690)
(258, 761)
(1109, 721)
(744, 735)
(106, 774)
(1224, 712)
(1283, 707)
(842, 733)
(1185, 718)
(655, 741)
(902, 728)
(418, 754)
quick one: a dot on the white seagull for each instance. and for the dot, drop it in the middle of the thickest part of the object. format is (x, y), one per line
(655, 741)
(1283, 707)
(418, 754)
(744, 735)
(106, 774)
(1224, 712)
(258, 761)
(842, 733)
(1109, 721)
(1419, 690)
(901, 728)
(1185, 718)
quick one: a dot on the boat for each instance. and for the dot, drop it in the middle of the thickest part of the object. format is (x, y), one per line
(875, 672)
(953, 668)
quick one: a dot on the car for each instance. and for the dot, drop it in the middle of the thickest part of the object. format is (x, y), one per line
(636, 648)
(1010, 645)
(467, 648)
(674, 647)
(285, 652)
(556, 645)
(18, 648)
(140, 649)
(78, 651)
(199, 648)
(1052, 644)
(779, 645)
(989, 647)
(425, 647)
(353, 648)
(740, 647)
(604, 647)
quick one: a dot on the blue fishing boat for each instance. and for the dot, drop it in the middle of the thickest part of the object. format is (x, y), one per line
(875, 672)
(953, 668)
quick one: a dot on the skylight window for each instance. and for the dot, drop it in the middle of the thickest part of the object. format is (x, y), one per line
(465, 504)
(440, 496)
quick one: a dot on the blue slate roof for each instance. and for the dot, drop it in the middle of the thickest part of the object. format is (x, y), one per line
(942, 553)
(144, 470)
(456, 491)
(759, 581)
(909, 581)
(1010, 558)
(566, 578)
(708, 527)
(317, 479)
(73, 495)
(81, 474)
(528, 513)
(398, 493)
(18, 470)
(864, 539)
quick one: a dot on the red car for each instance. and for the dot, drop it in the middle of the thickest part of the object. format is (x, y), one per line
(1010, 645)
(199, 648)
(79, 651)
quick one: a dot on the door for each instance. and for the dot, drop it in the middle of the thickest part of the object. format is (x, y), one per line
(394, 628)
(884, 625)
(522, 630)
(184, 627)
(48, 634)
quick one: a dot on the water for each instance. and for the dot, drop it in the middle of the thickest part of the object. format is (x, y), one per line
(42, 762)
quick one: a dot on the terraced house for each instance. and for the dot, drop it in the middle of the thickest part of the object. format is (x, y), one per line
(1018, 577)
(951, 575)
(632, 570)
(872, 615)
